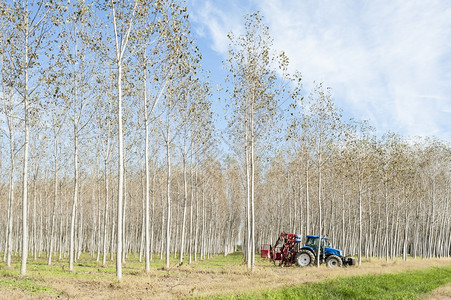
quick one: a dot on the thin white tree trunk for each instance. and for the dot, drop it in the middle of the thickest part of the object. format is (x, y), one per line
(185, 196)
(121, 174)
(75, 201)
(360, 220)
(33, 226)
(168, 195)
(386, 223)
(99, 222)
(162, 222)
(124, 214)
(190, 246)
(143, 219)
(318, 257)
(252, 161)
(41, 225)
(105, 214)
(11, 189)
(406, 232)
(153, 216)
(23, 267)
(55, 200)
(248, 204)
(147, 185)
(196, 232)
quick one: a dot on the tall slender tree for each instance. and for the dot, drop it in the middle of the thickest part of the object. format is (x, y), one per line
(9, 110)
(28, 39)
(324, 124)
(252, 65)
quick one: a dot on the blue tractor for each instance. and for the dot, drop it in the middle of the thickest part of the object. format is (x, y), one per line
(308, 253)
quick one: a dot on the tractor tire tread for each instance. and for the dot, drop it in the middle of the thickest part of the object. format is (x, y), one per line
(336, 258)
(309, 253)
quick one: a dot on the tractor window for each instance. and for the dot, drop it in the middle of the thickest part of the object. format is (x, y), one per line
(325, 242)
(312, 242)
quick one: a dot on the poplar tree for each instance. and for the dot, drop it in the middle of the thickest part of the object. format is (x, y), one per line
(325, 130)
(254, 91)
(8, 108)
(33, 22)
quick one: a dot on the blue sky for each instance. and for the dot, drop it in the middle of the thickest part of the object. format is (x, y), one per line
(386, 61)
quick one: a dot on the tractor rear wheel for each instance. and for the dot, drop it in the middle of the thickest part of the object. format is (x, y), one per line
(304, 258)
(334, 261)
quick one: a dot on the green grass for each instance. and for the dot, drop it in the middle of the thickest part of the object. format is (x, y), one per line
(407, 285)
(221, 261)
(28, 284)
(86, 267)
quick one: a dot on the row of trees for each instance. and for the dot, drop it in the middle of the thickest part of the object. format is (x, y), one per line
(107, 140)
(77, 78)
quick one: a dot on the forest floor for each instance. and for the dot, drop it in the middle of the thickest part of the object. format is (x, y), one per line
(217, 275)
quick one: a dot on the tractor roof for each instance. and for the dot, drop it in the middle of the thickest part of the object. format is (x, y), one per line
(316, 236)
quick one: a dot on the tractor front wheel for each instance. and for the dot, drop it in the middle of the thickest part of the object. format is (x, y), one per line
(334, 261)
(304, 258)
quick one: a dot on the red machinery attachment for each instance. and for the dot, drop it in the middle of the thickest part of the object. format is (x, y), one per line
(266, 251)
(285, 249)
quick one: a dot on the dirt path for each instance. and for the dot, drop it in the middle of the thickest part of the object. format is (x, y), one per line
(188, 281)
(440, 293)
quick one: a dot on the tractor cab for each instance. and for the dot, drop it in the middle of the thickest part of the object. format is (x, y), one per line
(313, 241)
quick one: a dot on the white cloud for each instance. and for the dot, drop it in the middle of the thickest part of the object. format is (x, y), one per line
(387, 61)
(215, 22)
(381, 58)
